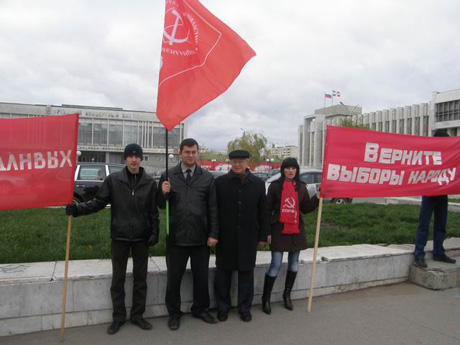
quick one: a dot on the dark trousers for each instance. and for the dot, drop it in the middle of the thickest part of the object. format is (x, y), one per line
(176, 260)
(120, 253)
(222, 285)
(438, 206)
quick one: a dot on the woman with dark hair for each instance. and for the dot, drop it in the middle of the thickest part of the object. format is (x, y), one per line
(287, 197)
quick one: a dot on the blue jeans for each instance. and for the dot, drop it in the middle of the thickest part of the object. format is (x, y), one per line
(277, 259)
(430, 205)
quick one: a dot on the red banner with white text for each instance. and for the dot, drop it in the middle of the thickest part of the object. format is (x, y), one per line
(364, 163)
(37, 161)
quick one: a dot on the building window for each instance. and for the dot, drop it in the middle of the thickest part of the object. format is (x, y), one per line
(116, 133)
(91, 156)
(158, 137)
(100, 132)
(426, 119)
(131, 133)
(174, 138)
(401, 126)
(417, 126)
(84, 132)
(447, 111)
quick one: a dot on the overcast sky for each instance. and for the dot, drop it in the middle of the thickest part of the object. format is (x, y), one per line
(378, 54)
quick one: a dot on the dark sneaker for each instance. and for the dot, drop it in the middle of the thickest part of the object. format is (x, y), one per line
(420, 263)
(444, 259)
(115, 327)
(174, 323)
(206, 317)
(222, 316)
(146, 326)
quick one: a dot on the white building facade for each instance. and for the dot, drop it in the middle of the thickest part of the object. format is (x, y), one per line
(104, 132)
(285, 151)
(419, 119)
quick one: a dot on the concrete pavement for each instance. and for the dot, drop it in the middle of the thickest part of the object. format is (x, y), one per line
(394, 314)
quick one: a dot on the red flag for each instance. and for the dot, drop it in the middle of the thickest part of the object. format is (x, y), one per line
(363, 163)
(37, 161)
(200, 59)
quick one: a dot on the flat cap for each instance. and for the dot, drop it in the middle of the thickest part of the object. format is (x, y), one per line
(238, 154)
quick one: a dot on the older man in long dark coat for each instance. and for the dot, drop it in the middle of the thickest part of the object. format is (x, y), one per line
(243, 224)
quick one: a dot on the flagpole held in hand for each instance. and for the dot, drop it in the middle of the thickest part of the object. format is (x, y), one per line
(64, 285)
(315, 252)
(167, 195)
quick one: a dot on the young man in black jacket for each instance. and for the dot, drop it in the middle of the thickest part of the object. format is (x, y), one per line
(132, 194)
(193, 229)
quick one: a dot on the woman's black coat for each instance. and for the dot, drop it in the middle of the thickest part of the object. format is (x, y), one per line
(288, 243)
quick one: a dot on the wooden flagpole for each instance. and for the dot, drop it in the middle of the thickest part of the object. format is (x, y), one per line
(315, 252)
(64, 286)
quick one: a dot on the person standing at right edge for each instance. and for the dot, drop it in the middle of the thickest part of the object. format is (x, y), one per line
(243, 224)
(437, 205)
(287, 197)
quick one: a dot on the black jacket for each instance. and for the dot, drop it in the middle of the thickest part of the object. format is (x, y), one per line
(282, 242)
(243, 220)
(192, 208)
(134, 214)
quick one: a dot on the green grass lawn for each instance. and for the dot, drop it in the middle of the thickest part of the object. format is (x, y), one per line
(40, 234)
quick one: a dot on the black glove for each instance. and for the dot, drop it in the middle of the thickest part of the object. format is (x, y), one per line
(71, 210)
(153, 239)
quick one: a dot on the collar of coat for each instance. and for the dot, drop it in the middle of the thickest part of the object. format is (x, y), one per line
(192, 169)
(248, 178)
(144, 177)
(178, 171)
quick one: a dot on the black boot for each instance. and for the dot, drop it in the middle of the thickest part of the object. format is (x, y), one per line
(290, 279)
(268, 287)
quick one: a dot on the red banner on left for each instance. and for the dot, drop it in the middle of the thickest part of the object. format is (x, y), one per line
(37, 161)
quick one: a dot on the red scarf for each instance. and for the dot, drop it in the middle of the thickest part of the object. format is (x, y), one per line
(289, 210)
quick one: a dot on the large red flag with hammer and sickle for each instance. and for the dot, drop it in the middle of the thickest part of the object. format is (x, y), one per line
(200, 59)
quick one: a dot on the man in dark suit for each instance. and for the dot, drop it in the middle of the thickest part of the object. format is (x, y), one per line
(193, 230)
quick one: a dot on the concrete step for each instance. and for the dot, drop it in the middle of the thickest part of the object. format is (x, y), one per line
(437, 276)
(31, 293)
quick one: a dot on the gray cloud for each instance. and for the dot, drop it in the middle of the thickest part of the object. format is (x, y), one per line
(379, 54)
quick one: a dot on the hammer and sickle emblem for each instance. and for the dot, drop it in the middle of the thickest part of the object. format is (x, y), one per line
(172, 38)
(289, 202)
